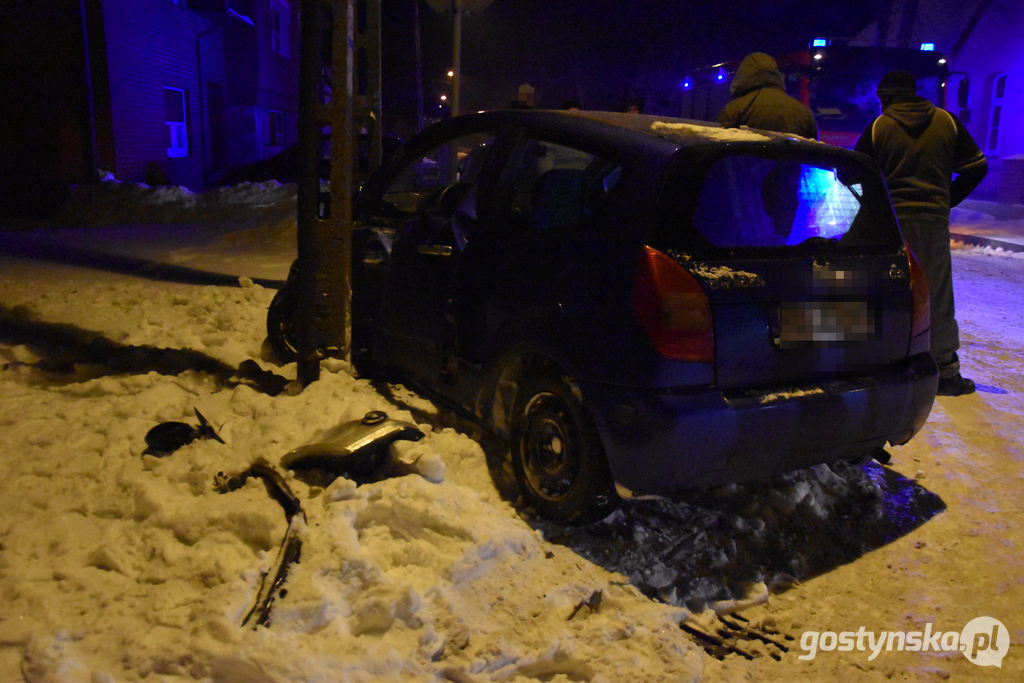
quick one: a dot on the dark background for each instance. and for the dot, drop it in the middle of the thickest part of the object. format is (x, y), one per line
(599, 52)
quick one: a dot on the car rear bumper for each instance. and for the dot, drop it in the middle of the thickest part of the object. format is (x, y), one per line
(660, 443)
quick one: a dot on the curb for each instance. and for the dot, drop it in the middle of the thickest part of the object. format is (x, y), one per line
(994, 242)
(140, 267)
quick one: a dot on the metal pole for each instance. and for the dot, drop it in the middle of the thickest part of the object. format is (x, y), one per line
(419, 65)
(457, 56)
(89, 151)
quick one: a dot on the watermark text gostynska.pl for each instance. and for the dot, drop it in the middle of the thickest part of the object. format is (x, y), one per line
(984, 641)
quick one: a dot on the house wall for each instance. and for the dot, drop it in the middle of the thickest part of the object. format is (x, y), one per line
(45, 141)
(278, 77)
(996, 47)
(151, 44)
(982, 38)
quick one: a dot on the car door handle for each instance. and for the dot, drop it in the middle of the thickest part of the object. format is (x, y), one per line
(434, 250)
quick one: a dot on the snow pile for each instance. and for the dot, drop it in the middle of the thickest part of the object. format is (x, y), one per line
(121, 566)
(112, 202)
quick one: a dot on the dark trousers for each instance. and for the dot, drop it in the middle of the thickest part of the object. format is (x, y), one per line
(929, 238)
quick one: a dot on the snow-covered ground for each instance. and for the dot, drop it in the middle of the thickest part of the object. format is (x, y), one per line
(121, 566)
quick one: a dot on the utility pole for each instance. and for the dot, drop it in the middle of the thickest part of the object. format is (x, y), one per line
(457, 8)
(339, 38)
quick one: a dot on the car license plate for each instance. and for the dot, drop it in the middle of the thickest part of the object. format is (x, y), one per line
(824, 322)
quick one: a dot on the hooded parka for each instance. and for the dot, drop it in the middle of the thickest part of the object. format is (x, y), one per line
(760, 100)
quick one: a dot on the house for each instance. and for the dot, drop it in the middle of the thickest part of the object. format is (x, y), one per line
(984, 42)
(158, 91)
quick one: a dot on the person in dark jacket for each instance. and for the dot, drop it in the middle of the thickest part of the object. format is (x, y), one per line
(920, 148)
(759, 100)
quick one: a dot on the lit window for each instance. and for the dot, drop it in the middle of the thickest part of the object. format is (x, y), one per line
(279, 28)
(998, 93)
(276, 127)
(174, 117)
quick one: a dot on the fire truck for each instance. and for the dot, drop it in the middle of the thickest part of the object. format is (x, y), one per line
(836, 81)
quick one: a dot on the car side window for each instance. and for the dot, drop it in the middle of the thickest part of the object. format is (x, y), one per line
(552, 186)
(456, 161)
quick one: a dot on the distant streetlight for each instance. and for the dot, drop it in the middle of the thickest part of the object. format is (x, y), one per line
(444, 98)
(457, 8)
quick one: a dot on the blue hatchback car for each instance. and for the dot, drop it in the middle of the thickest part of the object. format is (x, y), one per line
(642, 305)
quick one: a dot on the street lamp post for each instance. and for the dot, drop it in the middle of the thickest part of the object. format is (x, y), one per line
(457, 8)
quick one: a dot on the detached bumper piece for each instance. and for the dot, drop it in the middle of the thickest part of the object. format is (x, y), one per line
(291, 546)
(358, 450)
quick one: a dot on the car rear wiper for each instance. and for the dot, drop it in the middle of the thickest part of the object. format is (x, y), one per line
(818, 241)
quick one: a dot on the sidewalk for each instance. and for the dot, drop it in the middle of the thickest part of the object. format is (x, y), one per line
(987, 224)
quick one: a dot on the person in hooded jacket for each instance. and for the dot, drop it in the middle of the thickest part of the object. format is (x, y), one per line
(920, 148)
(759, 100)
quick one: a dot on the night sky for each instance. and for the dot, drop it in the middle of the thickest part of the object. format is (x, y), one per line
(599, 52)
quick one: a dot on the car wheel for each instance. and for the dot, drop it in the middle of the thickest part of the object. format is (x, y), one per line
(557, 455)
(281, 321)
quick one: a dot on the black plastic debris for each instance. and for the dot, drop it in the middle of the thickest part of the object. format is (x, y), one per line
(359, 450)
(291, 546)
(168, 437)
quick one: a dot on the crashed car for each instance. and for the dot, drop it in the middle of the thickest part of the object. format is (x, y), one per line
(643, 306)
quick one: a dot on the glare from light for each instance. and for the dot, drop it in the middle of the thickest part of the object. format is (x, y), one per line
(687, 84)
(450, 74)
(927, 47)
(819, 56)
(444, 98)
(819, 42)
(720, 76)
(942, 60)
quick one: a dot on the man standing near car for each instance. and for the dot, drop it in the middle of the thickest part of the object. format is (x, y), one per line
(920, 149)
(760, 101)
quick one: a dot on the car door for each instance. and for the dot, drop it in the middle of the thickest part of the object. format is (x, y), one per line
(548, 198)
(434, 196)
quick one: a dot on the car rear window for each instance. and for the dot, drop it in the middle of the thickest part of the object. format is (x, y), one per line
(750, 201)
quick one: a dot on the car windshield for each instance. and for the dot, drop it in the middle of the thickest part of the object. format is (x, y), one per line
(752, 201)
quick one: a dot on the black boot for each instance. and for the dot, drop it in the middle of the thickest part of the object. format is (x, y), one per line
(957, 385)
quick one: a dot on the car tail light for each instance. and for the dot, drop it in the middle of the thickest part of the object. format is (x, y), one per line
(921, 316)
(673, 309)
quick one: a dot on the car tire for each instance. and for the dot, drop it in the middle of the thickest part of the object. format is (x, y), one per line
(281, 320)
(557, 455)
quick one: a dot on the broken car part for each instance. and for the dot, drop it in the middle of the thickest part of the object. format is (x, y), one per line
(168, 437)
(291, 546)
(359, 450)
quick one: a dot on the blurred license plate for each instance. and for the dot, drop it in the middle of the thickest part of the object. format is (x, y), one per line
(825, 322)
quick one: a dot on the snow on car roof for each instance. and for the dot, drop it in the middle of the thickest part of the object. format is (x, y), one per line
(712, 132)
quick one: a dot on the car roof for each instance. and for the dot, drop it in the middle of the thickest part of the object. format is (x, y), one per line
(645, 129)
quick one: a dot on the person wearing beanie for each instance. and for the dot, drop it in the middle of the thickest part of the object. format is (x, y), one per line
(759, 100)
(920, 148)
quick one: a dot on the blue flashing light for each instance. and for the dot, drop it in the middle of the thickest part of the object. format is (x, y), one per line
(687, 84)
(720, 76)
(928, 47)
(820, 42)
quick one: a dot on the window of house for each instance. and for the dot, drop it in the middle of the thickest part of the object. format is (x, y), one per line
(174, 117)
(279, 27)
(998, 93)
(276, 127)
